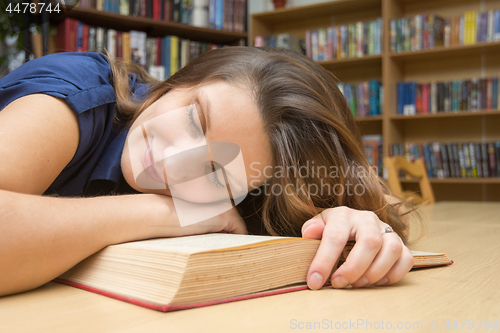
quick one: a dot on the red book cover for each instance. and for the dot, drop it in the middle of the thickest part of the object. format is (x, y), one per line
(156, 9)
(418, 98)
(426, 31)
(158, 51)
(119, 44)
(489, 93)
(74, 36)
(167, 10)
(66, 35)
(168, 308)
(90, 275)
(85, 38)
(425, 98)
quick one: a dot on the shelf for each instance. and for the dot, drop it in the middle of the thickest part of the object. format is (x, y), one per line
(365, 61)
(333, 8)
(436, 64)
(368, 119)
(153, 28)
(448, 114)
(491, 180)
(453, 51)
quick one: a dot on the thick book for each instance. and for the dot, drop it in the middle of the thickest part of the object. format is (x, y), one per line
(168, 274)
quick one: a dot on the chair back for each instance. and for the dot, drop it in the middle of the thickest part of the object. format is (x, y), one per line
(393, 165)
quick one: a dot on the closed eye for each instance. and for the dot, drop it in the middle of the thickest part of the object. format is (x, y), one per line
(194, 127)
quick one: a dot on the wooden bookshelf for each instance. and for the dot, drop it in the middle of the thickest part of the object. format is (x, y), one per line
(154, 28)
(440, 63)
(448, 114)
(490, 180)
(369, 119)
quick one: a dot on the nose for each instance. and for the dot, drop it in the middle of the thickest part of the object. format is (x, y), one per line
(182, 165)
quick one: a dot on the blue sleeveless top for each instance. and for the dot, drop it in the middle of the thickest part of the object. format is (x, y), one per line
(84, 80)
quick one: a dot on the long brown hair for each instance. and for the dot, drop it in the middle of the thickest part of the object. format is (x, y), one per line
(307, 120)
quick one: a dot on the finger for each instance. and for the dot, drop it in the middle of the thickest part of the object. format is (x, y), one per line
(313, 229)
(391, 251)
(402, 266)
(239, 227)
(334, 238)
(368, 243)
(234, 222)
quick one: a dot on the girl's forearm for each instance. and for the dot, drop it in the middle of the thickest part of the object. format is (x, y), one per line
(42, 237)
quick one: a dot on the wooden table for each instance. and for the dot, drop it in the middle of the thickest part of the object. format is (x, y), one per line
(469, 233)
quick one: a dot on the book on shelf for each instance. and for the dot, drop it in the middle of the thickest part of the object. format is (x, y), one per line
(453, 159)
(345, 41)
(170, 274)
(284, 40)
(216, 14)
(427, 30)
(364, 99)
(474, 94)
(147, 52)
(373, 145)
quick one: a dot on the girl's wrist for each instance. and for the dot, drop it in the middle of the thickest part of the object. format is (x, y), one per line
(141, 216)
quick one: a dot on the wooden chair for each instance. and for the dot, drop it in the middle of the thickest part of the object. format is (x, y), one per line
(416, 169)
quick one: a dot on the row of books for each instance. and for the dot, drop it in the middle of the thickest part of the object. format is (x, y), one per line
(161, 57)
(215, 14)
(457, 95)
(364, 99)
(284, 40)
(426, 31)
(345, 41)
(373, 151)
(456, 160)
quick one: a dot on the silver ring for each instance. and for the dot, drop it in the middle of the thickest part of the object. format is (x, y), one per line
(387, 230)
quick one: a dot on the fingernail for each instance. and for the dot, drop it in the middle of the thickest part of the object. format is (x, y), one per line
(382, 281)
(307, 227)
(339, 282)
(315, 281)
(362, 282)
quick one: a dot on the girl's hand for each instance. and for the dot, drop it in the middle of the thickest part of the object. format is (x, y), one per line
(376, 258)
(227, 222)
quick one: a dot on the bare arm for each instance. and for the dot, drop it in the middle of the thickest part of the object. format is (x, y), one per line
(42, 237)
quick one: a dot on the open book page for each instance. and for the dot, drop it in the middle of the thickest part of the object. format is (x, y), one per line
(202, 243)
(424, 259)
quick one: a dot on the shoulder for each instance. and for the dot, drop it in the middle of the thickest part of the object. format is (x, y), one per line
(83, 79)
(79, 68)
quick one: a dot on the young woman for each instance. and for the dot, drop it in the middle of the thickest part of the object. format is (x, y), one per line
(67, 188)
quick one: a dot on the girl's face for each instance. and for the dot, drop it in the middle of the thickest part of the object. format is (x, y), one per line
(190, 143)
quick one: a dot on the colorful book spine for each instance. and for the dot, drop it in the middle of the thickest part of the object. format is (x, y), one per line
(475, 94)
(424, 31)
(455, 160)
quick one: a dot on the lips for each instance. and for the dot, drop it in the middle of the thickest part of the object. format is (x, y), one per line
(149, 165)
